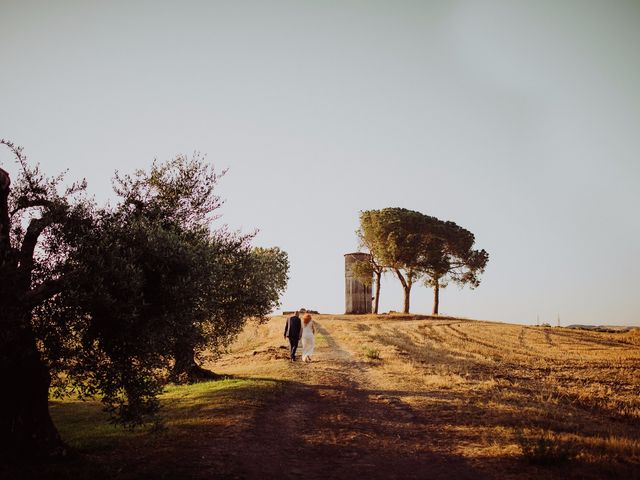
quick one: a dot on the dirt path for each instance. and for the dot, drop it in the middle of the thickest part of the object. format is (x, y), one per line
(333, 421)
(449, 399)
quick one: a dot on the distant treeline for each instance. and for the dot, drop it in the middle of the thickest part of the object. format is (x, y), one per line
(604, 328)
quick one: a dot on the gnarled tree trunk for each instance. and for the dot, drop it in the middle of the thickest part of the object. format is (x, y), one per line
(26, 429)
(186, 369)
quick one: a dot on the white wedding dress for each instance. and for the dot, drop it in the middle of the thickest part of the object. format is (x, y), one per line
(307, 341)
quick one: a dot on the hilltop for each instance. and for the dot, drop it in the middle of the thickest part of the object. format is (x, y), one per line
(406, 397)
(415, 395)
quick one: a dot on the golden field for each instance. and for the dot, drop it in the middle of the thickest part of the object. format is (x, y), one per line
(432, 396)
(386, 397)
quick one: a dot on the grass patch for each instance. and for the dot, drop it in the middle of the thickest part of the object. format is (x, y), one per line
(190, 404)
(191, 416)
(86, 427)
(372, 353)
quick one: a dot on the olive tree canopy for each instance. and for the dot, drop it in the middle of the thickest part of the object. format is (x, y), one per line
(99, 301)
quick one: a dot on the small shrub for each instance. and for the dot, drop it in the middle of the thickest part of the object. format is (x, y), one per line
(546, 448)
(372, 353)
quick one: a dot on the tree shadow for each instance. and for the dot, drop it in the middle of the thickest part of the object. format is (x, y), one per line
(337, 431)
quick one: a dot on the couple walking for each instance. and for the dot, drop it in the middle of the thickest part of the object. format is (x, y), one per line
(295, 329)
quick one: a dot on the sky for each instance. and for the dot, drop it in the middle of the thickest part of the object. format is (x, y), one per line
(519, 121)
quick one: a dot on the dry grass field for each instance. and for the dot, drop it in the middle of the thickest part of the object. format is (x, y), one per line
(418, 397)
(386, 397)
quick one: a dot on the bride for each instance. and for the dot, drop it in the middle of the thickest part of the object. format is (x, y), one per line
(308, 330)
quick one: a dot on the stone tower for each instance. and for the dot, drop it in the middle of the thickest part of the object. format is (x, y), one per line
(357, 295)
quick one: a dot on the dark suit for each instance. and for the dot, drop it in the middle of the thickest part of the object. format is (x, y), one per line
(293, 331)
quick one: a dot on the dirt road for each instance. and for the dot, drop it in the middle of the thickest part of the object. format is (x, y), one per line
(334, 422)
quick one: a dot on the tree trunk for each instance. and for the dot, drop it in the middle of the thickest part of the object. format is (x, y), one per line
(186, 369)
(407, 299)
(436, 298)
(376, 302)
(406, 285)
(5, 225)
(26, 428)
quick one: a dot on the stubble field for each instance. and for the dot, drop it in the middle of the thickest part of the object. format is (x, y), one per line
(386, 397)
(419, 397)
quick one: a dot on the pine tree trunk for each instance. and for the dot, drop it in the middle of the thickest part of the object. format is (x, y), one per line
(436, 298)
(406, 285)
(26, 428)
(407, 298)
(377, 297)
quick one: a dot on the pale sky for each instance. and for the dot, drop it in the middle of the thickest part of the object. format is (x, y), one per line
(519, 121)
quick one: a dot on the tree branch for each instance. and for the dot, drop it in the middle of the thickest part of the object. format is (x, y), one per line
(44, 291)
(34, 230)
(23, 204)
(401, 278)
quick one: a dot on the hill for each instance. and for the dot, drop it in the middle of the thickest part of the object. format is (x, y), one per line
(389, 397)
(481, 399)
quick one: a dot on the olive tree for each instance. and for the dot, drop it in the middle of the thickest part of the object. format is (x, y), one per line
(39, 227)
(228, 280)
(97, 300)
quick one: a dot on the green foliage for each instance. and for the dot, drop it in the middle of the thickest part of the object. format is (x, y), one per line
(451, 256)
(416, 246)
(266, 280)
(393, 236)
(372, 353)
(142, 279)
(398, 240)
(218, 280)
(180, 192)
(363, 271)
(369, 238)
(108, 299)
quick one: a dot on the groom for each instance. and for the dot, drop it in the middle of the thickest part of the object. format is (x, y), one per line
(293, 331)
